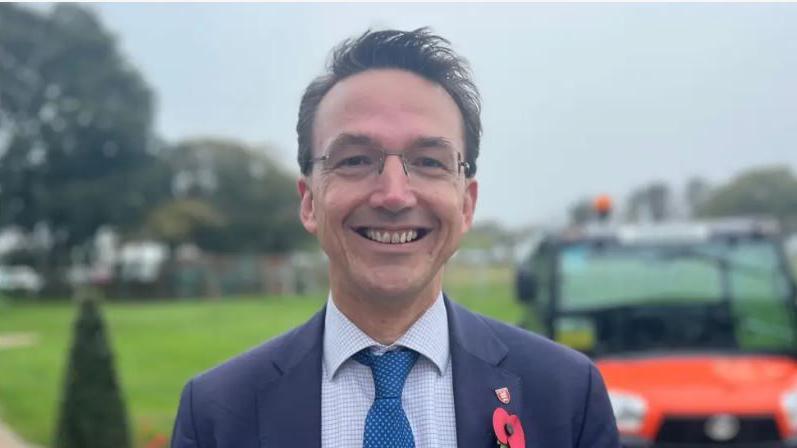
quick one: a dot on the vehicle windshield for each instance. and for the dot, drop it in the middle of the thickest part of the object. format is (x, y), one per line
(723, 294)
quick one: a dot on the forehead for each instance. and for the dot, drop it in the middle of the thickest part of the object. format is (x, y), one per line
(392, 107)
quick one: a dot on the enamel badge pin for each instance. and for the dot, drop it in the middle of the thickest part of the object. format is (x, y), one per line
(503, 395)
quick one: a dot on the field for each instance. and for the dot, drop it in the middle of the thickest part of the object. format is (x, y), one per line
(159, 345)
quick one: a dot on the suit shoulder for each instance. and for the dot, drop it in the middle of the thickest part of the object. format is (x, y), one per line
(260, 364)
(252, 361)
(526, 345)
(226, 395)
(567, 375)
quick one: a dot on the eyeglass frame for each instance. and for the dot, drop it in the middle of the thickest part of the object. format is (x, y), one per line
(400, 154)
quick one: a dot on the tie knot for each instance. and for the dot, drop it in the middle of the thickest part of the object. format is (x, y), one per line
(390, 369)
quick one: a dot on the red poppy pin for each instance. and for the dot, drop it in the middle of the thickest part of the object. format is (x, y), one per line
(508, 429)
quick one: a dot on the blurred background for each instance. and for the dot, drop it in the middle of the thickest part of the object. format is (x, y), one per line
(147, 158)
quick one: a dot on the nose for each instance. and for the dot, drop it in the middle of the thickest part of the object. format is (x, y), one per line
(394, 191)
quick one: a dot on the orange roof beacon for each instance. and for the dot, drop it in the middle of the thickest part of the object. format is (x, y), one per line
(603, 205)
(693, 326)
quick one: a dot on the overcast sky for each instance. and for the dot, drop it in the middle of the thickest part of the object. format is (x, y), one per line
(578, 99)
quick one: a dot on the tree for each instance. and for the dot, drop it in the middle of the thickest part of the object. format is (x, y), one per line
(76, 149)
(92, 408)
(180, 220)
(228, 198)
(696, 193)
(650, 203)
(581, 212)
(768, 191)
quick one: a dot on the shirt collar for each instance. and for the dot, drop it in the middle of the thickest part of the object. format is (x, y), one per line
(427, 336)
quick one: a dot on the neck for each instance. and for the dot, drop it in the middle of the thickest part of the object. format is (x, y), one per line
(385, 319)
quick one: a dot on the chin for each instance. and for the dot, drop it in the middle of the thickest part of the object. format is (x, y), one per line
(393, 283)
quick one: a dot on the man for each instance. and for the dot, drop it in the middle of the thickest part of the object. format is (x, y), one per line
(388, 141)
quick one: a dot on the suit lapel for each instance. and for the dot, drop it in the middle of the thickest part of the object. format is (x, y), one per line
(476, 354)
(289, 406)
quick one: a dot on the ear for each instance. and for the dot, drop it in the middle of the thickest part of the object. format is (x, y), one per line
(469, 203)
(306, 207)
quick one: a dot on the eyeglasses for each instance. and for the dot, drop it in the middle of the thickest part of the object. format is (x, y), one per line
(430, 164)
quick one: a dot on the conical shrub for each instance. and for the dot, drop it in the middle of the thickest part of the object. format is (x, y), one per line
(92, 413)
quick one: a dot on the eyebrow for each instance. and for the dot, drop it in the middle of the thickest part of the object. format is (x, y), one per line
(431, 142)
(347, 139)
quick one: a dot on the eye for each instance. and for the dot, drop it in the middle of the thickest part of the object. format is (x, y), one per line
(361, 160)
(429, 163)
(430, 166)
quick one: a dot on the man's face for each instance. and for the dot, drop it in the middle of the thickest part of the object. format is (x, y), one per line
(395, 111)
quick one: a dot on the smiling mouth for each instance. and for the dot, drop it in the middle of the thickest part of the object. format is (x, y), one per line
(391, 236)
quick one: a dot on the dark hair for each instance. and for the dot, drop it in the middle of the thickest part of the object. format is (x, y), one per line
(419, 52)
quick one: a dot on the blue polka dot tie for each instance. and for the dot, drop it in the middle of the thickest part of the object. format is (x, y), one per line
(386, 425)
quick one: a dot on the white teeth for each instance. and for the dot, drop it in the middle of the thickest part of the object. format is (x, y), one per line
(392, 237)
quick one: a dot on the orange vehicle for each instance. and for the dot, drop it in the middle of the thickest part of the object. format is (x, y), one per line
(692, 325)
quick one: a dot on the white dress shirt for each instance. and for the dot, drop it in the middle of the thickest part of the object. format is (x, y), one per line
(347, 387)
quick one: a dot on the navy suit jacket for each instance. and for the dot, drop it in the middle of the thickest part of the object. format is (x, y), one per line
(271, 395)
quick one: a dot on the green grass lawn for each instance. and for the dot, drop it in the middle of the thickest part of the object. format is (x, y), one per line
(160, 345)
